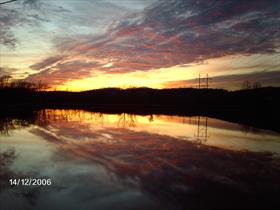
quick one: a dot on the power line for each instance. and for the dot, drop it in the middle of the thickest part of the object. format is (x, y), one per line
(6, 2)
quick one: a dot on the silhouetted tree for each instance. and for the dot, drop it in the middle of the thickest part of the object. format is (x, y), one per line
(5, 81)
(246, 85)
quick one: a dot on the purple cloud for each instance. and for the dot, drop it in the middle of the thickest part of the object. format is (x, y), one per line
(20, 14)
(61, 71)
(233, 82)
(47, 62)
(178, 32)
(6, 71)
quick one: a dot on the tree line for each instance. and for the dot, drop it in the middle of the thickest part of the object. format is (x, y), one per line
(6, 82)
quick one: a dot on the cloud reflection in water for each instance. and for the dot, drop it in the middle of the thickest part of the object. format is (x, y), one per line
(99, 161)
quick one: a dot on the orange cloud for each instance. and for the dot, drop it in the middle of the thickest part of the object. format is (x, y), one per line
(167, 35)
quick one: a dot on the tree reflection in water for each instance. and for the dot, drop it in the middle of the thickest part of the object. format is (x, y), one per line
(168, 169)
(45, 117)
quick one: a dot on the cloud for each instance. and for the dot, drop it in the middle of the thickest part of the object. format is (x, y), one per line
(11, 18)
(32, 3)
(20, 14)
(6, 71)
(180, 32)
(47, 62)
(57, 70)
(233, 82)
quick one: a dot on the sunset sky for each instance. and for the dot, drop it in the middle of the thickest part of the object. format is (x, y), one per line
(88, 44)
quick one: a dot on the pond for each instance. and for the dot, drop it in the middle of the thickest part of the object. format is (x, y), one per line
(125, 161)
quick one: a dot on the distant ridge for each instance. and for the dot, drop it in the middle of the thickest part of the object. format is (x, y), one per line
(257, 107)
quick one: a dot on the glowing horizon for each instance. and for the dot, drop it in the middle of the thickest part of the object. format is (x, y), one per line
(73, 45)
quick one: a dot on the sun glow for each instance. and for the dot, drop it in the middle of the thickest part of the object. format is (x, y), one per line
(156, 78)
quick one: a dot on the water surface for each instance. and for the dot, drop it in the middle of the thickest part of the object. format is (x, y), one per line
(126, 161)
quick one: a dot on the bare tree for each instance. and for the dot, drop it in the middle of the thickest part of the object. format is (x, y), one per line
(5, 81)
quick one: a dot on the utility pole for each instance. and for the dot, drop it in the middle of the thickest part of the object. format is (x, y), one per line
(199, 81)
(201, 135)
(207, 83)
(203, 82)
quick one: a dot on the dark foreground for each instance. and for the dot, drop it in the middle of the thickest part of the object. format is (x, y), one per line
(141, 149)
(256, 107)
